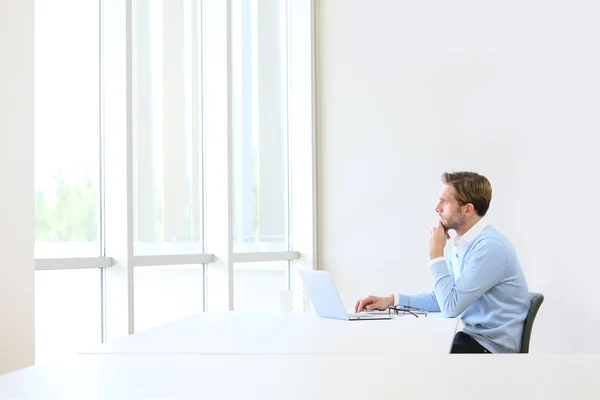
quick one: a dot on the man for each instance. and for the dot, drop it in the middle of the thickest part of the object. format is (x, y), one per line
(481, 281)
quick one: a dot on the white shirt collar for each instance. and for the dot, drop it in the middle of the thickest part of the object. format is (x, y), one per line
(463, 242)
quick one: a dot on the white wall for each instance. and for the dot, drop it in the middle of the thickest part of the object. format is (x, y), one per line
(16, 177)
(407, 90)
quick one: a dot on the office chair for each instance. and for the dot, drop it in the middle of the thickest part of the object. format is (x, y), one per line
(536, 300)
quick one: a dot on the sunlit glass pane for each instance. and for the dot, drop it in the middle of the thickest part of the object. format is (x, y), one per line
(67, 129)
(167, 294)
(257, 285)
(167, 139)
(259, 124)
(67, 312)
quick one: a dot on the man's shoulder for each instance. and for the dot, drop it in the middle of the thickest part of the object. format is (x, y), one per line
(489, 232)
(491, 239)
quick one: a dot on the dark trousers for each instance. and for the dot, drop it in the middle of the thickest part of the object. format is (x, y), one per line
(465, 344)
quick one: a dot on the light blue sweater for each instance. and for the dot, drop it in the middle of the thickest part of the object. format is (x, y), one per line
(490, 293)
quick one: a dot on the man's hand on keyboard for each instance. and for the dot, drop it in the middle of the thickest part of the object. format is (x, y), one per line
(371, 303)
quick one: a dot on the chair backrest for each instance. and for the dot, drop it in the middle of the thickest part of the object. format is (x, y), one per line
(536, 300)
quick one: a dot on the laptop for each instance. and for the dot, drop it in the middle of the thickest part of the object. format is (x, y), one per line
(326, 300)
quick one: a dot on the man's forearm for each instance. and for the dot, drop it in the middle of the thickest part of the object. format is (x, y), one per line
(424, 301)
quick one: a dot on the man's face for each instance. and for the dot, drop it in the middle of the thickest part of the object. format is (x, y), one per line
(451, 214)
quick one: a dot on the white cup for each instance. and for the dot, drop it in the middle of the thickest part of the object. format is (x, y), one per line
(305, 301)
(285, 301)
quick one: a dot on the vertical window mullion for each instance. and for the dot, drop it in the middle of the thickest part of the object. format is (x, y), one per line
(302, 136)
(217, 151)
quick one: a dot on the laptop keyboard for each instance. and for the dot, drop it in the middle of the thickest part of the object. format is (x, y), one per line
(369, 316)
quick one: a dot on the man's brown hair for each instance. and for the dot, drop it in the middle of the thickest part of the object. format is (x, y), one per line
(471, 188)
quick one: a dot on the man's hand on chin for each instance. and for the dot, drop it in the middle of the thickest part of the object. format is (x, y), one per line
(437, 241)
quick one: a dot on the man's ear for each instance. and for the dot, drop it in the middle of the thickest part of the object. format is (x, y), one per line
(470, 208)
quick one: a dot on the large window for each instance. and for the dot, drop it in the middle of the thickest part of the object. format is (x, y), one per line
(174, 162)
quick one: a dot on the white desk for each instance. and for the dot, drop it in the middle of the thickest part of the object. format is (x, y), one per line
(278, 377)
(298, 333)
